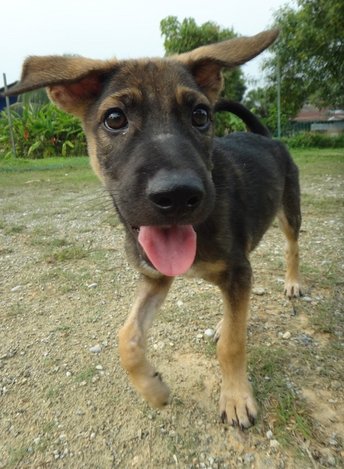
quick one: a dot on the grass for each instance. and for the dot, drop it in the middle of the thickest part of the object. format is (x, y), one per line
(51, 171)
(69, 253)
(318, 159)
(278, 399)
(86, 375)
(328, 318)
(16, 455)
(10, 165)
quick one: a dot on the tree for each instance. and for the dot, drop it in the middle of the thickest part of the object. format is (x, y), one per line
(184, 36)
(310, 54)
(187, 35)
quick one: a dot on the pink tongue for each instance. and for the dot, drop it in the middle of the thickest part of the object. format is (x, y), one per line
(171, 250)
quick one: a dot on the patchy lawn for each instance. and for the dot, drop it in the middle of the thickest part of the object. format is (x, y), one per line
(66, 288)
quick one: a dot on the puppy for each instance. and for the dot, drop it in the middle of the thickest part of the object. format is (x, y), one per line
(190, 203)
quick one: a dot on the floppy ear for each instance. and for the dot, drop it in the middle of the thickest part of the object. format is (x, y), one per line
(206, 62)
(72, 82)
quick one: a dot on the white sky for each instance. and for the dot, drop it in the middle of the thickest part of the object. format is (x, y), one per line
(115, 28)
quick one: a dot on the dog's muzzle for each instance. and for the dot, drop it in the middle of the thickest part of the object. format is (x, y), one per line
(176, 193)
(176, 197)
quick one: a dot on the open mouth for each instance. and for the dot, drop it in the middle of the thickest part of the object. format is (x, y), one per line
(171, 249)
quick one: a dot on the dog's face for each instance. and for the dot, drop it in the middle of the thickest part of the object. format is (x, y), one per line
(150, 138)
(150, 135)
(149, 129)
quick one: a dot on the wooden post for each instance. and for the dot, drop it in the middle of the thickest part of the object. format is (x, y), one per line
(9, 118)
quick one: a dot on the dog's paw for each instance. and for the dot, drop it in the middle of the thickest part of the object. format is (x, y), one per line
(152, 389)
(292, 289)
(238, 406)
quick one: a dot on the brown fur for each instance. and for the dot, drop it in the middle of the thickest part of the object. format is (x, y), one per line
(243, 181)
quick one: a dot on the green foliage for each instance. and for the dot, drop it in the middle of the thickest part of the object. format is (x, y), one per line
(184, 36)
(226, 123)
(314, 140)
(310, 54)
(41, 131)
(187, 35)
(263, 103)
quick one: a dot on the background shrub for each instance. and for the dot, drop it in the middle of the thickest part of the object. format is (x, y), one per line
(41, 131)
(314, 140)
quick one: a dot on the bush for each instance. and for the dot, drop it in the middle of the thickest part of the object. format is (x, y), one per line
(41, 132)
(226, 123)
(315, 140)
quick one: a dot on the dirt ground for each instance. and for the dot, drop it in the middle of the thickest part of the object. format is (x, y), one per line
(66, 288)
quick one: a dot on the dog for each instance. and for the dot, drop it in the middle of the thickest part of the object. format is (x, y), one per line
(190, 203)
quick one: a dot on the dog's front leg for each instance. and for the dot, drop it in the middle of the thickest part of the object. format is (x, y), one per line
(132, 341)
(237, 404)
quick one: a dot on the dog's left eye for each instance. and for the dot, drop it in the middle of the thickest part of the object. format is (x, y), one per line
(115, 119)
(200, 117)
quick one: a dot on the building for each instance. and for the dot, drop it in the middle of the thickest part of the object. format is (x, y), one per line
(325, 120)
(13, 99)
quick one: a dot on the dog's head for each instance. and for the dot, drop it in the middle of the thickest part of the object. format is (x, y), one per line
(149, 129)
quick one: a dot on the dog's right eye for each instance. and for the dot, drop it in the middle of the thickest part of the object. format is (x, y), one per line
(200, 117)
(115, 120)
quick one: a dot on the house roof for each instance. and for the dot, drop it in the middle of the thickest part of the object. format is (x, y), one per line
(311, 113)
(2, 90)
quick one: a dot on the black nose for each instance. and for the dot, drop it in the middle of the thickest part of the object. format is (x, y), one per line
(175, 192)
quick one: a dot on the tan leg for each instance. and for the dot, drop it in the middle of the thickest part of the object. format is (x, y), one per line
(292, 277)
(132, 341)
(237, 404)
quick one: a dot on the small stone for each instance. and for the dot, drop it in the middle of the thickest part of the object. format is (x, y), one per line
(248, 458)
(258, 291)
(286, 335)
(68, 374)
(304, 339)
(95, 349)
(333, 441)
(308, 299)
(209, 332)
(199, 336)
(269, 435)
(99, 367)
(274, 444)
(16, 288)
(92, 285)
(180, 303)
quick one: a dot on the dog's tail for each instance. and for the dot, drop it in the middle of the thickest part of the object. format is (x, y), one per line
(250, 120)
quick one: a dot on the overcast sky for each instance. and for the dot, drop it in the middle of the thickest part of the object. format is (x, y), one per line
(112, 28)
